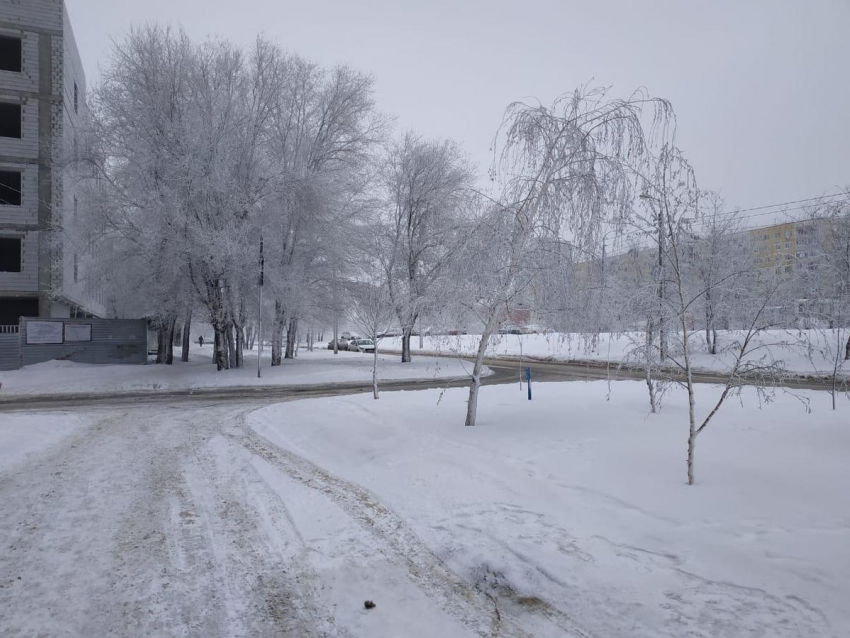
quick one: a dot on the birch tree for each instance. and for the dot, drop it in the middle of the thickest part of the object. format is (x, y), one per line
(564, 169)
(372, 312)
(672, 186)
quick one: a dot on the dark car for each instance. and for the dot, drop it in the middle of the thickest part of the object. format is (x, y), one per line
(343, 344)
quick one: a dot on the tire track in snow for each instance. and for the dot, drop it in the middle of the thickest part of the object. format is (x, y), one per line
(470, 604)
(133, 527)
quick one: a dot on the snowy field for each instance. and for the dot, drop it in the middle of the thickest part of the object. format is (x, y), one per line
(564, 517)
(319, 366)
(572, 511)
(801, 352)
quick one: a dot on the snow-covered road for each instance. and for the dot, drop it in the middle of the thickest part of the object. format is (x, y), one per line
(175, 521)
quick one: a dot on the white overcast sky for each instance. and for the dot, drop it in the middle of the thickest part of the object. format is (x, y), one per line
(761, 89)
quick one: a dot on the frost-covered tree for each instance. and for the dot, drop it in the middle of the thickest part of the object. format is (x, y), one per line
(562, 170)
(324, 125)
(426, 184)
(720, 250)
(823, 286)
(672, 185)
(371, 311)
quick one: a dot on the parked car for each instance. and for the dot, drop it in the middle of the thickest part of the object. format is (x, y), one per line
(343, 344)
(510, 330)
(361, 345)
(537, 329)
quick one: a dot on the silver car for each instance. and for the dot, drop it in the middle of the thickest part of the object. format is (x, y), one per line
(361, 345)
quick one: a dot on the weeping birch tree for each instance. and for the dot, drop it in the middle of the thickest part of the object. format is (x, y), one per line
(564, 171)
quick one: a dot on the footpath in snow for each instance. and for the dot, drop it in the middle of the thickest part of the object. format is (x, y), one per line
(573, 514)
(318, 367)
(800, 352)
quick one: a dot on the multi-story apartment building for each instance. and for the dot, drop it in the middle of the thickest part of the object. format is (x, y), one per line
(786, 247)
(42, 101)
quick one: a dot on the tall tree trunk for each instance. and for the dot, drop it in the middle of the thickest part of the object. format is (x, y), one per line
(710, 331)
(650, 384)
(221, 353)
(277, 333)
(692, 444)
(231, 345)
(187, 325)
(472, 402)
(847, 350)
(240, 346)
(375, 368)
(161, 336)
(291, 330)
(405, 344)
(220, 324)
(169, 348)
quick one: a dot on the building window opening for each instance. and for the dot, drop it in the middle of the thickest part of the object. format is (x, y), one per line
(10, 119)
(10, 188)
(10, 254)
(10, 54)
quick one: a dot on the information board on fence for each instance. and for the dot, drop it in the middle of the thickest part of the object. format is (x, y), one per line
(77, 332)
(44, 332)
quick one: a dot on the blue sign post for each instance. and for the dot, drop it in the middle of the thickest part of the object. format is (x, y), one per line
(528, 381)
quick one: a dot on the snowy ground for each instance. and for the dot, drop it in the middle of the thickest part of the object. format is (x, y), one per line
(319, 366)
(572, 511)
(802, 352)
(566, 516)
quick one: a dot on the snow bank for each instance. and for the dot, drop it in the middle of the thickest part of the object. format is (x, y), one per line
(803, 352)
(319, 366)
(575, 506)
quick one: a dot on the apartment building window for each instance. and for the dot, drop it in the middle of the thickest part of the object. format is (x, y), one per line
(776, 235)
(10, 119)
(10, 254)
(10, 54)
(787, 234)
(10, 188)
(76, 99)
(787, 244)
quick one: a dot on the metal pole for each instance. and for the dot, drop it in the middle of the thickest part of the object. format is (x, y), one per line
(260, 314)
